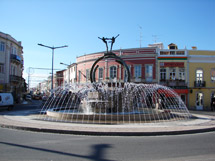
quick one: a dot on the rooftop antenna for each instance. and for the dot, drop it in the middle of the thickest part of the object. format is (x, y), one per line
(155, 38)
(140, 27)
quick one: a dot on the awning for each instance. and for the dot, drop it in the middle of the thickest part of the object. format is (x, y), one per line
(166, 93)
(181, 91)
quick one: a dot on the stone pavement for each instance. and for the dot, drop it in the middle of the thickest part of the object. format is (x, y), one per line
(29, 120)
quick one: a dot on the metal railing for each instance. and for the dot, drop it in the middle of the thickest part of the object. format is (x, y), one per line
(199, 83)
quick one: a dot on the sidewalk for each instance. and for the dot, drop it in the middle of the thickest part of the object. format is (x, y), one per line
(209, 113)
(29, 120)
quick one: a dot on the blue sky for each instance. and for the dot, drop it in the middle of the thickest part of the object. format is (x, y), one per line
(78, 23)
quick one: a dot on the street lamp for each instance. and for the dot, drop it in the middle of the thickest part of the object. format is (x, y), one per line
(64, 64)
(53, 48)
(68, 66)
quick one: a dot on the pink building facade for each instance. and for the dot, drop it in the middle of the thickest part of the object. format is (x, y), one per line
(141, 62)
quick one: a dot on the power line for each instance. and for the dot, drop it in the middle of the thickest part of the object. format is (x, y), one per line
(44, 68)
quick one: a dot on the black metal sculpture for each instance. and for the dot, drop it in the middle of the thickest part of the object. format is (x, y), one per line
(108, 54)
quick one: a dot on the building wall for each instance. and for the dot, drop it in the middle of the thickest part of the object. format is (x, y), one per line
(191, 60)
(204, 60)
(11, 60)
(202, 52)
(132, 57)
(206, 67)
(177, 66)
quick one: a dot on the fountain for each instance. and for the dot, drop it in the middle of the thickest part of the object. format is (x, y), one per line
(114, 102)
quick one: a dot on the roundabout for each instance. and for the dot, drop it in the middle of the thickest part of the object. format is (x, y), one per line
(28, 120)
(113, 107)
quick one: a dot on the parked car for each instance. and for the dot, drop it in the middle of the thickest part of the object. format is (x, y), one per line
(44, 98)
(28, 97)
(6, 100)
(37, 97)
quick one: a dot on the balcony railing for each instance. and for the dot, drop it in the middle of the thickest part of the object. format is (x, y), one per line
(199, 83)
(14, 78)
(15, 57)
(173, 52)
(173, 83)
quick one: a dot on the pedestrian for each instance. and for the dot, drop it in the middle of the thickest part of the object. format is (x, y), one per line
(213, 104)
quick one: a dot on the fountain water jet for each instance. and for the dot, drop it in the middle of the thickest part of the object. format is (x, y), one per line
(130, 103)
(114, 103)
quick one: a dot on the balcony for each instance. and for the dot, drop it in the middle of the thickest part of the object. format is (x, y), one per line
(16, 58)
(16, 79)
(173, 52)
(174, 83)
(199, 84)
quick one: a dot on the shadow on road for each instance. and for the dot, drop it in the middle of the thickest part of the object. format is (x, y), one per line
(98, 151)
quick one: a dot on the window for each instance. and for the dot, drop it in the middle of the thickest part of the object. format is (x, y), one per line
(2, 46)
(183, 98)
(213, 74)
(87, 75)
(181, 74)
(149, 72)
(100, 74)
(172, 52)
(14, 51)
(199, 75)
(172, 73)
(199, 101)
(1, 68)
(180, 53)
(112, 72)
(13, 70)
(79, 76)
(126, 74)
(137, 71)
(162, 74)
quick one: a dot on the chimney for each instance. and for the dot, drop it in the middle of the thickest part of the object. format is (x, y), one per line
(172, 46)
(194, 47)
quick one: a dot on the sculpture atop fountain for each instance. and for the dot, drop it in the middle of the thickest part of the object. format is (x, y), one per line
(108, 55)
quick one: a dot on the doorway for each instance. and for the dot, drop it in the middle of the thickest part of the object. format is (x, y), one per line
(183, 98)
(199, 101)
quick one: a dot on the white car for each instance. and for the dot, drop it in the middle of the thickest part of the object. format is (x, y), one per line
(6, 100)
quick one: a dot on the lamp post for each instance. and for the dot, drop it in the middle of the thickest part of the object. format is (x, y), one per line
(53, 48)
(68, 66)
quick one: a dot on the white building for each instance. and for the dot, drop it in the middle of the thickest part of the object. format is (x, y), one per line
(11, 66)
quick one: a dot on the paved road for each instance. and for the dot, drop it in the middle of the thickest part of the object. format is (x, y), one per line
(34, 104)
(18, 145)
(30, 146)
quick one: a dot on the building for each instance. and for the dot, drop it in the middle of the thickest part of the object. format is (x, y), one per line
(201, 78)
(141, 63)
(73, 73)
(172, 68)
(191, 73)
(11, 66)
(59, 78)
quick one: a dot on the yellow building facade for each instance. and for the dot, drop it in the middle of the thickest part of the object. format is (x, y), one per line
(201, 71)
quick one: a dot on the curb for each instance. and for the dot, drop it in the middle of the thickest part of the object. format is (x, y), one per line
(6, 123)
(93, 133)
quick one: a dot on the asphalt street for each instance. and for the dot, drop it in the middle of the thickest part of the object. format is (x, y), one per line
(18, 145)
